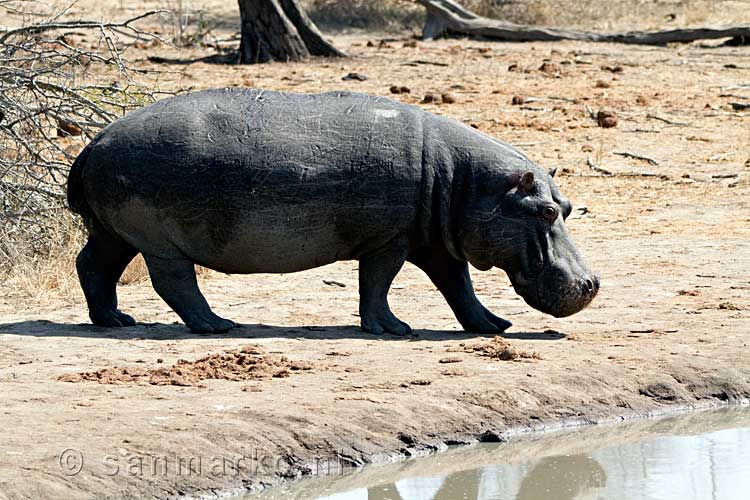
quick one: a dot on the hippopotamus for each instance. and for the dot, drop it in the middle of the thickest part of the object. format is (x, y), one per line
(254, 181)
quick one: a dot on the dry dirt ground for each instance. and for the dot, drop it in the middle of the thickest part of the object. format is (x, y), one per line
(299, 382)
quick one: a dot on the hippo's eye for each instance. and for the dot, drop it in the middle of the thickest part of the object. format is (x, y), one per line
(550, 213)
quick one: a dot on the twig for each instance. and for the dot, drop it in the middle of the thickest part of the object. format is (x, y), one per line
(36, 29)
(593, 166)
(669, 122)
(422, 61)
(637, 157)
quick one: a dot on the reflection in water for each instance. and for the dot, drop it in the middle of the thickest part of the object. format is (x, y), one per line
(704, 456)
(567, 477)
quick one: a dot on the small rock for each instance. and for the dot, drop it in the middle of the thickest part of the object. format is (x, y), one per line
(606, 119)
(410, 44)
(514, 67)
(431, 97)
(450, 359)
(729, 306)
(601, 84)
(518, 100)
(448, 98)
(355, 76)
(400, 89)
(641, 100)
(550, 68)
(613, 69)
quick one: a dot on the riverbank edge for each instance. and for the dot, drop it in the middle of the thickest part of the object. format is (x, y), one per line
(431, 448)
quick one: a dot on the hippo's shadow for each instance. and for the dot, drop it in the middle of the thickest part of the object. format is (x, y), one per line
(175, 331)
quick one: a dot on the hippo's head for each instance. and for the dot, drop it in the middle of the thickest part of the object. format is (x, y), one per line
(517, 223)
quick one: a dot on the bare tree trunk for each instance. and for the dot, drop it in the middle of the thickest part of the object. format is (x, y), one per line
(279, 30)
(448, 16)
(313, 38)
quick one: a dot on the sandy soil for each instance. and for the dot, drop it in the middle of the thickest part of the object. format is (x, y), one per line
(668, 330)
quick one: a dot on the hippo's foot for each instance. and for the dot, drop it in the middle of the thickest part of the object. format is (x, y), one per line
(385, 323)
(376, 273)
(485, 322)
(174, 280)
(111, 319)
(209, 324)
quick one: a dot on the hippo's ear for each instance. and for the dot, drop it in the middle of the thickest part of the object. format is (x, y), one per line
(552, 172)
(526, 183)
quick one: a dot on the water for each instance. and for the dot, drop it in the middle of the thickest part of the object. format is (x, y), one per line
(704, 455)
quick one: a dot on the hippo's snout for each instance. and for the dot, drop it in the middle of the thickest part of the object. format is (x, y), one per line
(563, 296)
(559, 292)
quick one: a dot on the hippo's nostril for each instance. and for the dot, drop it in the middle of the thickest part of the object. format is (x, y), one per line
(590, 285)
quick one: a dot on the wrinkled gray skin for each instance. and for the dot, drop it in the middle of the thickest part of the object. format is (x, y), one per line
(249, 181)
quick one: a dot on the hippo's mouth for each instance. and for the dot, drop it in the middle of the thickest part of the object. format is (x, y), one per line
(559, 298)
(528, 288)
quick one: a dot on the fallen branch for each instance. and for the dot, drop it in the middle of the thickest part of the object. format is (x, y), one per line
(593, 166)
(669, 122)
(608, 173)
(637, 157)
(447, 16)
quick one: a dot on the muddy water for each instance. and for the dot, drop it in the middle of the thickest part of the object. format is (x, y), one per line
(704, 455)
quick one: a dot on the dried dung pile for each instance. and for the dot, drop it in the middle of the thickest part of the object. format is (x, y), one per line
(249, 363)
(497, 348)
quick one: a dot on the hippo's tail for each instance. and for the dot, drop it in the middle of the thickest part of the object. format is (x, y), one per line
(76, 199)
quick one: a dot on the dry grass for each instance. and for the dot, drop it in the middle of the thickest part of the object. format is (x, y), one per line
(38, 275)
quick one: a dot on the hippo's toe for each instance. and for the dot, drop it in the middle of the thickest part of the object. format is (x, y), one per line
(209, 325)
(111, 319)
(379, 326)
(485, 322)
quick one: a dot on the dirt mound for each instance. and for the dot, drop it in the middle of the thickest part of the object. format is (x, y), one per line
(497, 348)
(249, 363)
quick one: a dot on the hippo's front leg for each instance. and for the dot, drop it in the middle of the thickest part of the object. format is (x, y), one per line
(376, 273)
(451, 277)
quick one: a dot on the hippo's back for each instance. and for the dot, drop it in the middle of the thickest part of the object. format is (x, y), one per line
(310, 178)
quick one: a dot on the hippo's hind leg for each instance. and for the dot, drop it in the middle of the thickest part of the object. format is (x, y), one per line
(100, 264)
(451, 277)
(175, 282)
(376, 273)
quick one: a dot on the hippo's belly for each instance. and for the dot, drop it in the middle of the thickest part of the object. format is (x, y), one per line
(274, 238)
